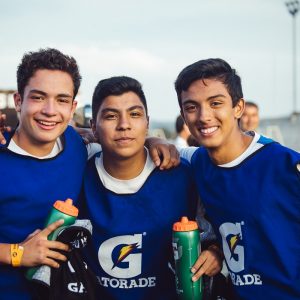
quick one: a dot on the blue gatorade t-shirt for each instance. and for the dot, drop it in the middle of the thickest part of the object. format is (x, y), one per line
(255, 207)
(131, 248)
(29, 187)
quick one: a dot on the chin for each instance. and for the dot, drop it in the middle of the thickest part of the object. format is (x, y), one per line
(122, 153)
(209, 144)
(126, 154)
(47, 139)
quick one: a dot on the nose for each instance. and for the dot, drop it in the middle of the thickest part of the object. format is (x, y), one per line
(49, 108)
(204, 113)
(123, 122)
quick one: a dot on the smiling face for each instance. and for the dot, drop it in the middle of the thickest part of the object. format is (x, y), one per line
(208, 112)
(45, 110)
(121, 127)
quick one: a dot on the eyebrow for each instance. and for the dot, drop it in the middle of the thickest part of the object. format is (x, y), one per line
(136, 107)
(111, 109)
(187, 101)
(34, 91)
(209, 98)
(38, 92)
(216, 96)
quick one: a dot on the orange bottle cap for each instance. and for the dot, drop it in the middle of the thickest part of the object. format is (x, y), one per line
(185, 225)
(66, 207)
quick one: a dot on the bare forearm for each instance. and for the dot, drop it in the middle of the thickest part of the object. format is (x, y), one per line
(5, 254)
(163, 153)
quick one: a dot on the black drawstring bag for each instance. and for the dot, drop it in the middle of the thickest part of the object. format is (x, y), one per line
(73, 280)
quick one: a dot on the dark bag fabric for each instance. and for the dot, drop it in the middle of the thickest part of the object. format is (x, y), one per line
(73, 280)
(222, 288)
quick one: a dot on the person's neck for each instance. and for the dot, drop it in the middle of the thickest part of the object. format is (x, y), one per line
(124, 168)
(35, 149)
(229, 151)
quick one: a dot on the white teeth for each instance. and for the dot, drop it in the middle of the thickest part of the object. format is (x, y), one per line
(47, 123)
(208, 130)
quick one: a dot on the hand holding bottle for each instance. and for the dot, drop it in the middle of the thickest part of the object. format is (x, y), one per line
(38, 250)
(209, 263)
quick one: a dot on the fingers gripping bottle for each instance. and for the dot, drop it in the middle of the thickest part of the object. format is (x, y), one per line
(61, 210)
(186, 248)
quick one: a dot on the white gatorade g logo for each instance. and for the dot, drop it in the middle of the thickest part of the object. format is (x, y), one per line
(126, 253)
(232, 246)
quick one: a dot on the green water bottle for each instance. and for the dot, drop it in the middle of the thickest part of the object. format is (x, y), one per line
(186, 248)
(61, 210)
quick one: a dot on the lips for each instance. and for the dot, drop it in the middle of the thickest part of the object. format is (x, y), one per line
(46, 124)
(209, 130)
(124, 140)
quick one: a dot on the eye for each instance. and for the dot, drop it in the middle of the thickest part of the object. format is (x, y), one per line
(215, 103)
(36, 97)
(63, 100)
(135, 114)
(110, 116)
(190, 108)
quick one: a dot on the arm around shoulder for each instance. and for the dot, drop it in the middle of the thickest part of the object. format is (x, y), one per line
(163, 153)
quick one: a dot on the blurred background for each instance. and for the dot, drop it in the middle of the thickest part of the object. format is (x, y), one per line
(153, 40)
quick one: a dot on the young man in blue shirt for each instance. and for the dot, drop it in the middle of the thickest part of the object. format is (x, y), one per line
(132, 204)
(249, 185)
(37, 158)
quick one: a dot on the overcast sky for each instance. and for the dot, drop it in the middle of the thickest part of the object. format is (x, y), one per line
(153, 40)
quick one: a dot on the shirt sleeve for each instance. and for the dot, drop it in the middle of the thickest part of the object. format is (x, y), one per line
(187, 152)
(92, 149)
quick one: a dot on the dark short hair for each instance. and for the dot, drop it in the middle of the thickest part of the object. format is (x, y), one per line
(116, 86)
(212, 68)
(251, 104)
(179, 124)
(46, 59)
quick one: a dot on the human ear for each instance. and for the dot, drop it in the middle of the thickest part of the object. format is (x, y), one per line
(147, 128)
(18, 101)
(93, 127)
(74, 105)
(239, 108)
